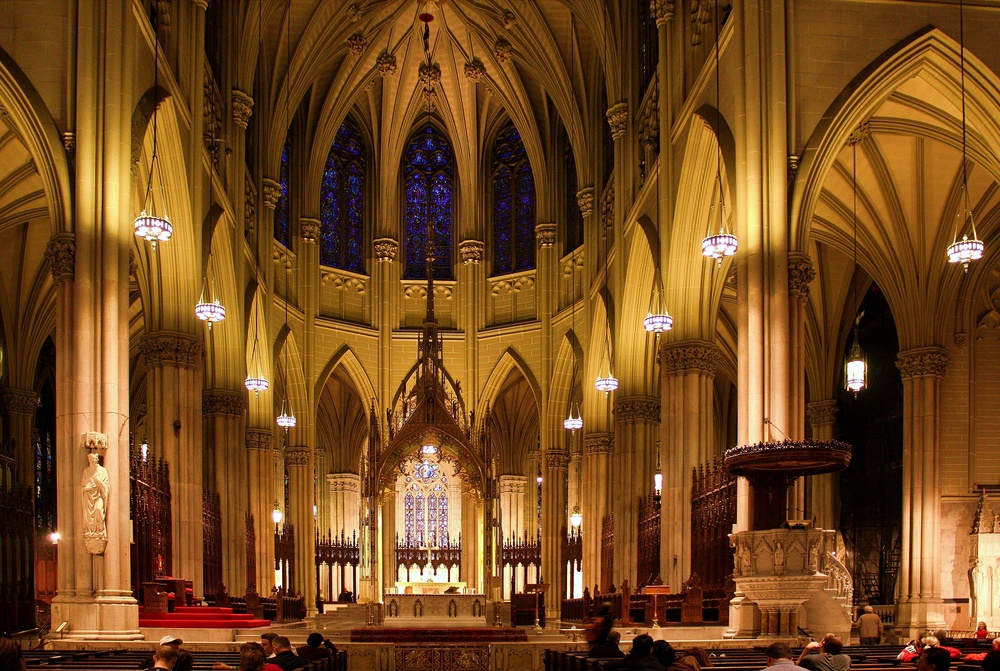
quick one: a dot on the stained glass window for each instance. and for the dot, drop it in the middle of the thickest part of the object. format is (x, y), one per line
(513, 204)
(342, 202)
(420, 518)
(281, 209)
(427, 178)
(408, 518)
(425, 506)
(574, 218)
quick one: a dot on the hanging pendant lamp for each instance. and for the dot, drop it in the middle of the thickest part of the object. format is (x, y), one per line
(722, 244)
(856, 366)
(209, 308)
(150, 225)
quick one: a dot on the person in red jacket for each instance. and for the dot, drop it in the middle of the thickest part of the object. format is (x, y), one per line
(912, 652)
(980, 656)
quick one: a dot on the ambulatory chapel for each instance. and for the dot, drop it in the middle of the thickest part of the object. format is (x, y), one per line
(507, 306)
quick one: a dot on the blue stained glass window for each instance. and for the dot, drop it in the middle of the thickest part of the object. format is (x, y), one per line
(419, 514)
(513, 204)
(427, 177)
(342, 202)
(432, 513)
(408, 518)
(443, 519)
(281, 209)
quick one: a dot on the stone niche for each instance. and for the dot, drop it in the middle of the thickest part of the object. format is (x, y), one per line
(793, 577)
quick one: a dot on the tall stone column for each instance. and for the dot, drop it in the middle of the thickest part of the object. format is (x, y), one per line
(823, 500)
(800, 274)
(597, 451)
(554, 527)
(260, 462)
(919, 606)
(472, 515)
(224, 428)
(637, 423)
(531, 493)
(174, 419)
(512, 505)
(300, 504)
(345, 499)
(19, 411)
(687, 369)
(662, 12)
(472, 314)
(388, 542)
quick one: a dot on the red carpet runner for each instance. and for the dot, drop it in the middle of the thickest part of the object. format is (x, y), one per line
(193, 617)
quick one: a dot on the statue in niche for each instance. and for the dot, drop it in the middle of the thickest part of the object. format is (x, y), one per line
(96, 488)
(779, 558)
(814, 558)
(977, 587)
(746, 560)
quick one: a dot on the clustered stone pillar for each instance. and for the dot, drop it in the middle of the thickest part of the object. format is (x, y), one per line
(554, 524)
(688, 439)
(472, 515)
(260, 462)
(300, 510)
(345, 495)
(823, 488)
(512, 505)
(597, 451)
(174, 419)
(800, 274)
(637, 425)
(919, 605)
(388, 541)
(224, 413)
(19, 410)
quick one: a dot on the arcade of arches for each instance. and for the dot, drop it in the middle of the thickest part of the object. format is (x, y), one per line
(431, 238)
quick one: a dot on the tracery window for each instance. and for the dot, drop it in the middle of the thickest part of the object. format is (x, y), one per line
(342, 202)
(425, 506)
(427, 177)
(513, 204)
(281, 209)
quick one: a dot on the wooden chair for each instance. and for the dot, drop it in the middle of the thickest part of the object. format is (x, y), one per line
(154, 599)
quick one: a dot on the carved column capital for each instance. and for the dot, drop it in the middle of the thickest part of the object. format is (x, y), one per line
(800, 274)
(618, 119)
(61, 255)
(19, 401)
(513, 484)
(309, 229)
(557, 459)
(242, 108)
(167, 348)
(820, 413)
(545, 234)
(637, 409)
(386, 249)
(471, 252)
(585, 201)
(599, 443)
(661, 11)
(257, 439)
(344, 482)
(297, 456)
(223, 402)
(674, 357)
(922, 362)
(272, 193)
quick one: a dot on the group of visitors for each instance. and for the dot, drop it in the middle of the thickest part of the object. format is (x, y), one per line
(646, 654)
(273, 653)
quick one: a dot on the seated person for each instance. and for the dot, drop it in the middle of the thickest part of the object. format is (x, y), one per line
(779, 654)
(284, 657)
(11, 655)
(609, 648)
(981, 631)
(825, 655)
(980, 656)
(316, 647)
(933, 658)
(247, 651)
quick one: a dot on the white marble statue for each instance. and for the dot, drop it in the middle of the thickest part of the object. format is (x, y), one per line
(96, 489)
(779, 558)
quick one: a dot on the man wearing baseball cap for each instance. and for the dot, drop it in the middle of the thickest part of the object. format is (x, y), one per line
(169, 641)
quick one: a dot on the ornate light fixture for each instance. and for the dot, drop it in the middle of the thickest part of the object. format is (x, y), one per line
(657, 476)
(286, 420)
(209, 308)
(430, 444)
(276, 514)
(576, 518)
(657, 320)
(723, 243)
(855, 368)
(606, 381)
(255, 382)
(149, 225)
(964, 251)
(573, 422)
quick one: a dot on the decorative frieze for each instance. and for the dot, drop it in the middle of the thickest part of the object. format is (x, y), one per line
(618, 119)
(257, 440)
(585, 201)
(19, 401)
(242, 105)
(545, 234)
(637, 409)
(344, 483)
(556, 458)
(800, 274)
(356, 43)
(503, 50)
(61, 255)
(922, 362)
(599, 443)
(385, 64)
(661, 11)
(223, 402)
(471, 252)
(297, 456)
(513, 484)
(385, 249)
(680, 357)
(272, 193)
(820, 413)
(309, 229)
(475, 70)
(170, 349)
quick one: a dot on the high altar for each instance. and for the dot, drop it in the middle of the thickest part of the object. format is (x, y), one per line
(429, 587)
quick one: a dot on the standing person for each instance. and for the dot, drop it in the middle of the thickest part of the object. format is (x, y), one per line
(825, 655)
(870, 627)
(780, 655)
(284, 657)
